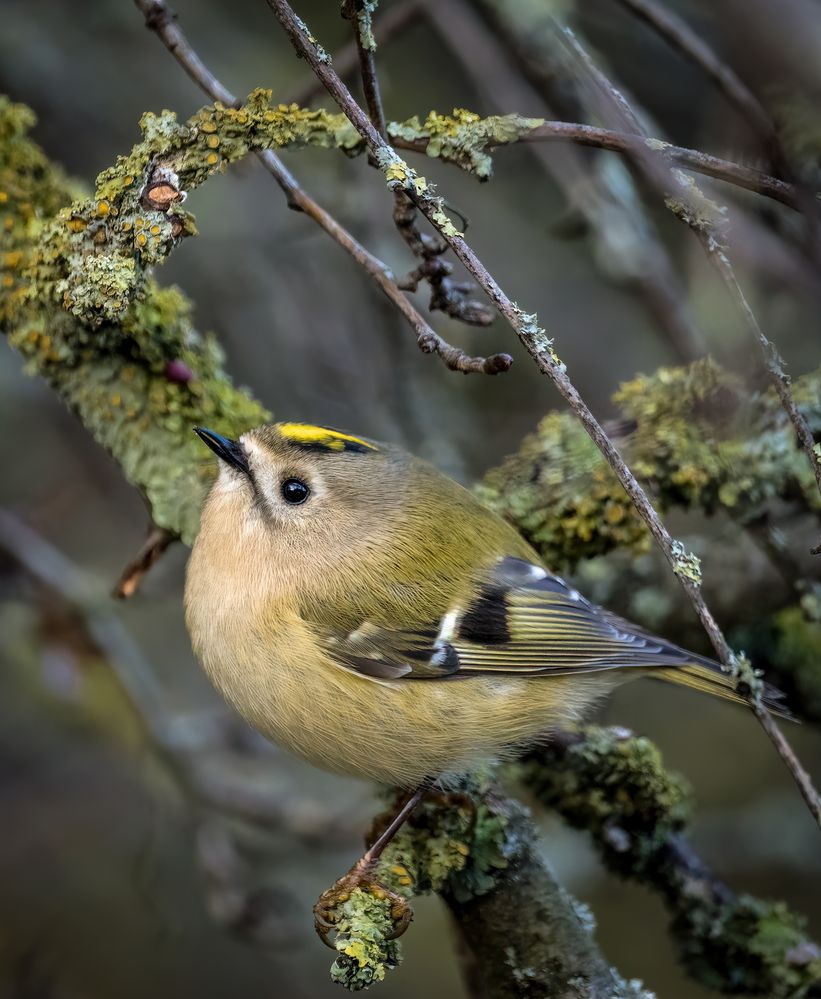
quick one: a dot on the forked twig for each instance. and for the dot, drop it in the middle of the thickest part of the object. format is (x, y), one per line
(161, 20)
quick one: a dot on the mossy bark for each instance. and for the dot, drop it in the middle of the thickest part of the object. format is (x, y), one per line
(614, 786)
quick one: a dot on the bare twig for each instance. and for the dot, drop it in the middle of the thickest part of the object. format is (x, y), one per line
(703, 225)
(448, 296)
(161, 20)
(626, 249)
(682, 37)
(158, 540)
(773, 361)
(535, 341)
(386, 25)
(359, 15)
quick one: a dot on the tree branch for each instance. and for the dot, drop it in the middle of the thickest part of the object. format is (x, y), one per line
(161, 20)
(540, 347)
(613, 785)
(602, 200)
(482, 856)
(681, 36)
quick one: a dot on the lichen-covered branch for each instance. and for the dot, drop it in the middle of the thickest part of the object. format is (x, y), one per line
(161, 20)
(696, 434)
(138, 386)
(478, 850)
(614, 786)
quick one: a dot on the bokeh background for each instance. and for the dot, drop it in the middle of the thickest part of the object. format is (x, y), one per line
(112, 883)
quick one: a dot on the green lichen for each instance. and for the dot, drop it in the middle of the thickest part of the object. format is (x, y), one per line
(138, 385)
(693, 433)
(464, 138)
(456, 843)
(97, 251)
(614, 786)
(788, 646)
(365, 9)
(746, 946)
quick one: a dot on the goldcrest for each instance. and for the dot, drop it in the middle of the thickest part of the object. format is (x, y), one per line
(364, 611)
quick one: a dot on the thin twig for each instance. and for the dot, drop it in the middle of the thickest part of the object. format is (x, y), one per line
(449, 296)
(619, 142)
(626, 247)
(682, 37)
(704, 227)
(537, 344)
(773, 361)
(157, 542)
(162, 21)
(386, 25)
(359, 15)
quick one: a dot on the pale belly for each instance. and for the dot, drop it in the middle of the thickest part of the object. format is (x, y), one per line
(398, 732)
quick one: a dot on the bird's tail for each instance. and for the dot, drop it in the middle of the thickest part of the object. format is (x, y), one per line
(708, 677)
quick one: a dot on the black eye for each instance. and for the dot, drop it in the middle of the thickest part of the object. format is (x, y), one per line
(295, 491)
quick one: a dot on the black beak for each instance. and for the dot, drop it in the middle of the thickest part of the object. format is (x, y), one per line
(231, 452)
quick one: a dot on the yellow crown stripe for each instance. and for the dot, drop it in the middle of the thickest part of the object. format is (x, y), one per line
(306, 433)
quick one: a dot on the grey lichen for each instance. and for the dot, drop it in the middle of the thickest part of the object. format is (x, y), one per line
(686, 564)
(97, 251)
(536, 337)
(692, 206)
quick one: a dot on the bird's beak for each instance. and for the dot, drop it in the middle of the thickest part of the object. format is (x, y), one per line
(231, 452)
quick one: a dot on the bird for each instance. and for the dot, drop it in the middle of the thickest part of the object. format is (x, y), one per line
(363, 610)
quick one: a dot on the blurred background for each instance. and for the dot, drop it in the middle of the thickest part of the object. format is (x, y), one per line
(116, 883)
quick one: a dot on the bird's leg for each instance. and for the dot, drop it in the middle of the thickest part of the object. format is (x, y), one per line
(361, 876)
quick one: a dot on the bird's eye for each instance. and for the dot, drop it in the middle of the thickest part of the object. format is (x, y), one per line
(295, 491)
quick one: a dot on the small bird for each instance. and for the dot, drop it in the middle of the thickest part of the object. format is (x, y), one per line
(366, 612)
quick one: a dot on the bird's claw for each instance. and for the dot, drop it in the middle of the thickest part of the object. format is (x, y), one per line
(359, 876)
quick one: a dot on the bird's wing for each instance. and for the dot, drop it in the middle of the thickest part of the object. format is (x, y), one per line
(519, 620)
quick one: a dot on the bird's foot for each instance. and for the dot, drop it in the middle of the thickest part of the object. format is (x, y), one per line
(360, 876)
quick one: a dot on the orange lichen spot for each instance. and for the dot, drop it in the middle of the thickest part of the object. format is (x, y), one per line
(8, 280)
(76, 225)
(141, 239)
(128, 181)
(161, 196)
(11, 260)
(155, 230)
(3, 197)
(208, 126)
(211, 159)
(126, 226)
(139, 222)
(103, 208)
(212, 141)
